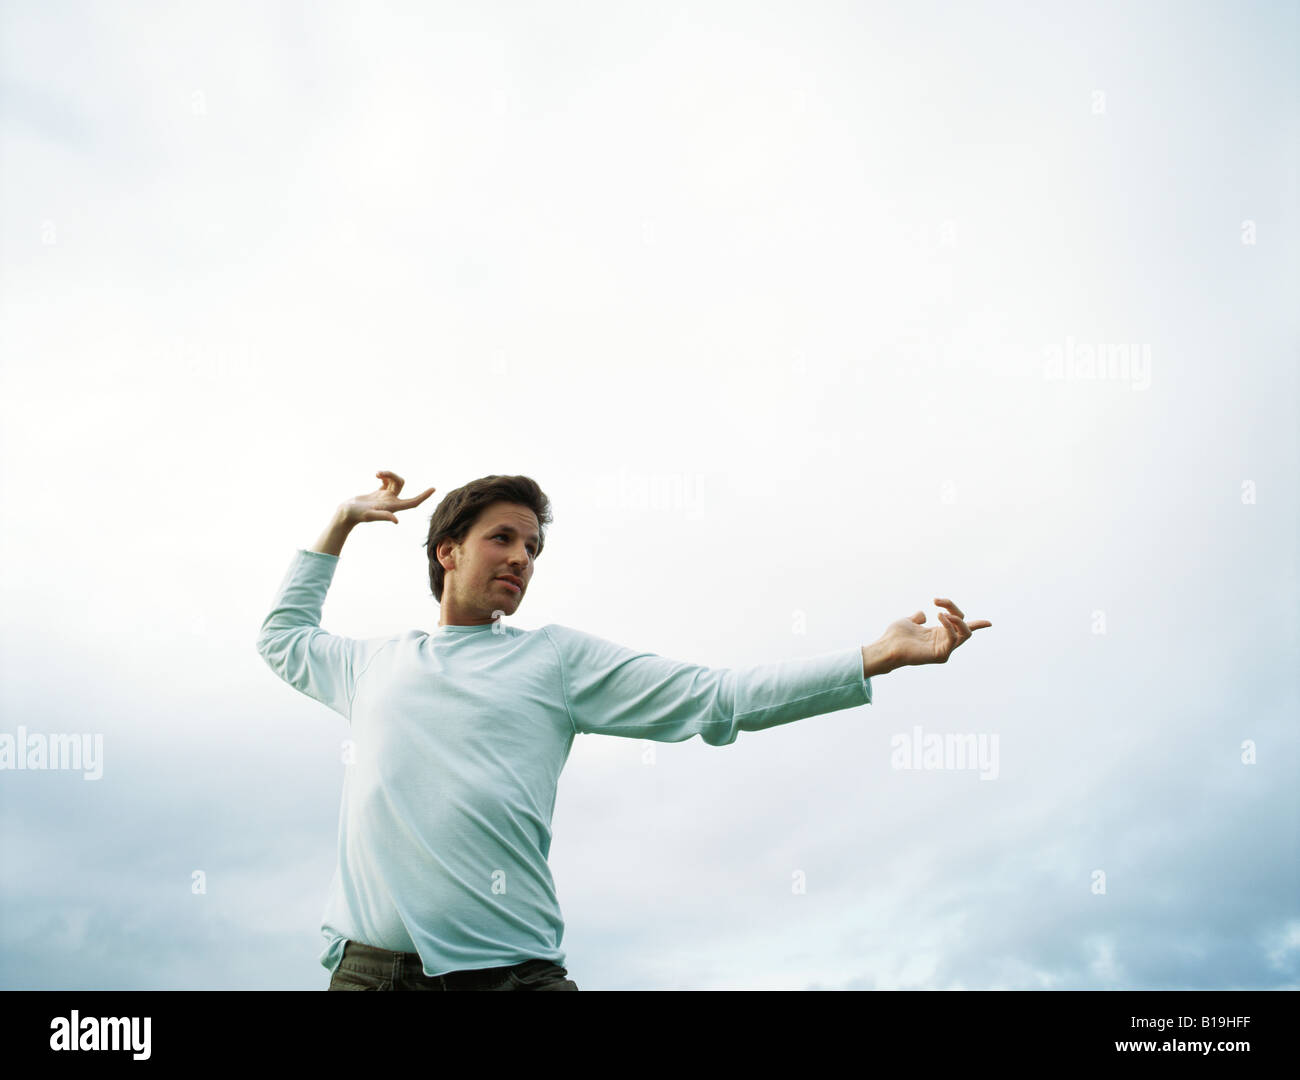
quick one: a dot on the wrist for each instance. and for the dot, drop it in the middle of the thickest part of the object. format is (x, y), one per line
(335, 534)
(877, 659)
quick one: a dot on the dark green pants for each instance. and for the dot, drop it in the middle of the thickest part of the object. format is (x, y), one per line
(365, 967)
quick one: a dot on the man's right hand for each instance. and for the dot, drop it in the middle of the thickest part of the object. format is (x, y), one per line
(381, 504)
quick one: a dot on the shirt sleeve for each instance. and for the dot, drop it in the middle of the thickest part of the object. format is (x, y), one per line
(610, 689)
(322, 665)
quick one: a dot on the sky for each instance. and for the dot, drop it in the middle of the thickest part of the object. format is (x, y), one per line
(802, 315)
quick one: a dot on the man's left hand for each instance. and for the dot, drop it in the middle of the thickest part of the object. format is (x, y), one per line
(909, 641)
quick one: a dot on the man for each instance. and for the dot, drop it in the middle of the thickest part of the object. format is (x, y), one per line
(459, 736)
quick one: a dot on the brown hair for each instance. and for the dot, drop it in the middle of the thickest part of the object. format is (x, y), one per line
(459, 510)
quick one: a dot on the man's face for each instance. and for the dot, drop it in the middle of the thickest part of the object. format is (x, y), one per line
(503, 541)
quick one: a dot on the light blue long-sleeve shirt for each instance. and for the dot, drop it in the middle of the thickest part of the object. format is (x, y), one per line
(458, 737)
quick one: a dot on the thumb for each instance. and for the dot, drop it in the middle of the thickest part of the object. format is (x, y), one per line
(919, 617)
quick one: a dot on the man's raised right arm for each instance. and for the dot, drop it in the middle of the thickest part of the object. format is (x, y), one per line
(322, 665)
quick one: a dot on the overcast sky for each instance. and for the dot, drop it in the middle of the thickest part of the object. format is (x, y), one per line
(802, 314)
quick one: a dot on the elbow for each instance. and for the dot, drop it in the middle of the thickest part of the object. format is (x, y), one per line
(266, 640)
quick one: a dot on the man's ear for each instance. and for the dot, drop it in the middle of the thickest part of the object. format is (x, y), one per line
(446, 554)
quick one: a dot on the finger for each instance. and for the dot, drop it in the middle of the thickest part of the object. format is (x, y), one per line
(951, 607)
(408, 503)
(390, 477)
(980, 625)
(953, 636)
(919, 617)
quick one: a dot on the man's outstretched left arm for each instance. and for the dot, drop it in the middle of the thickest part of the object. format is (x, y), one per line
(610, 689)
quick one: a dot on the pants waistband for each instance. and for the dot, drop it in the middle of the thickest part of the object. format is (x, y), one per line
(384, 960)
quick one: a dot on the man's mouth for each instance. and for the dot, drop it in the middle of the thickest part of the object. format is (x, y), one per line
(511, 583)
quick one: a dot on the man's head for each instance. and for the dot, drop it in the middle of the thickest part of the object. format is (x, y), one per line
(491, 527)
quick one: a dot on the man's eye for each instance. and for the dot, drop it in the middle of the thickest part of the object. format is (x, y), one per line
(531, 551)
